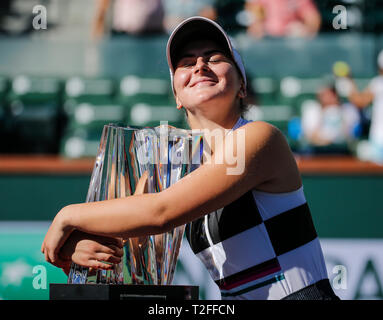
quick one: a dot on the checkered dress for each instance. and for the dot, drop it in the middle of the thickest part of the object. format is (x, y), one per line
(261, 246)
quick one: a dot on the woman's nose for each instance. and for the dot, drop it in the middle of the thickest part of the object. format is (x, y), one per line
(201, 65)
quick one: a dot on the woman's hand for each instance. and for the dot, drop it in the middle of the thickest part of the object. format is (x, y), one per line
(64, 224)
(92, 251)
(57, 233)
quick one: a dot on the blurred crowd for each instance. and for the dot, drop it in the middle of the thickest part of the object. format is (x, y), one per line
(341, 118)
(260, 18)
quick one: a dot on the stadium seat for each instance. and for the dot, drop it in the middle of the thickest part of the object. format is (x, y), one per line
(85, 125)
(90, 102)
(149, 101)
(93, 114)
(34, 110)
(265, 90)
(80, 143)
(150, 112)
(4, 130)
(89, 105)
(277, 115)
(279, 99)
(132, 88)
(89, 89)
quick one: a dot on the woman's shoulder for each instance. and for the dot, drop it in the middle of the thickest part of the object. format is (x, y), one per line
(261, 131)
(258, 123)
(270, 150)
(261, 142)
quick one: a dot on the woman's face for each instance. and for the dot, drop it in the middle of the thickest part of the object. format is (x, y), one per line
(204, 74)
(328, 97)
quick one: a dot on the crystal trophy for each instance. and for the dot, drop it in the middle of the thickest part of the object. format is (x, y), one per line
(163, 154)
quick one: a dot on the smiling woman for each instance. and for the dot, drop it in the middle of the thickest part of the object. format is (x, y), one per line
(204, 72)
(252, 228)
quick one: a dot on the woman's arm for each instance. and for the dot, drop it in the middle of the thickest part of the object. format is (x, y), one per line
(261, 152)
(99, 19)
(360, 99)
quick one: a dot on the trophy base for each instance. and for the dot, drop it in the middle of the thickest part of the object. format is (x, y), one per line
(63, 291)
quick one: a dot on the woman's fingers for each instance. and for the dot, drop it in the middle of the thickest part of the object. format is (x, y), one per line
(111, 249)
(46, 255)
(108, 258)
(118, 242)
(87, 259)
(95, 264)
(51, 255)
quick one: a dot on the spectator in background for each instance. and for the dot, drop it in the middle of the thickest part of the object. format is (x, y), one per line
(283, 18)
(373, 94)
(329, 125)
(134, 17)
(178, 10)
(231, 15)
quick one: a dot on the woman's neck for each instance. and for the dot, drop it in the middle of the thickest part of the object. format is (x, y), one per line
(211, 128)
(200, 122)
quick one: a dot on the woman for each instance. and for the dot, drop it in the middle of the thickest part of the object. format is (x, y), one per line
(252, 229)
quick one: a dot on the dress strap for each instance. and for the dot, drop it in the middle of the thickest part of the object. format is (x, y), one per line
(241, 122)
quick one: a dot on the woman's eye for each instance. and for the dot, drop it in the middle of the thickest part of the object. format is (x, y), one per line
(186, 63)
(215, 59)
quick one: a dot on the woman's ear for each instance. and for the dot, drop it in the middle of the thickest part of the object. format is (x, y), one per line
(242, 90)
(179, 104)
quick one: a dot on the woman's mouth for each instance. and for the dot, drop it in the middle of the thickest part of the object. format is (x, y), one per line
(203, 82)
